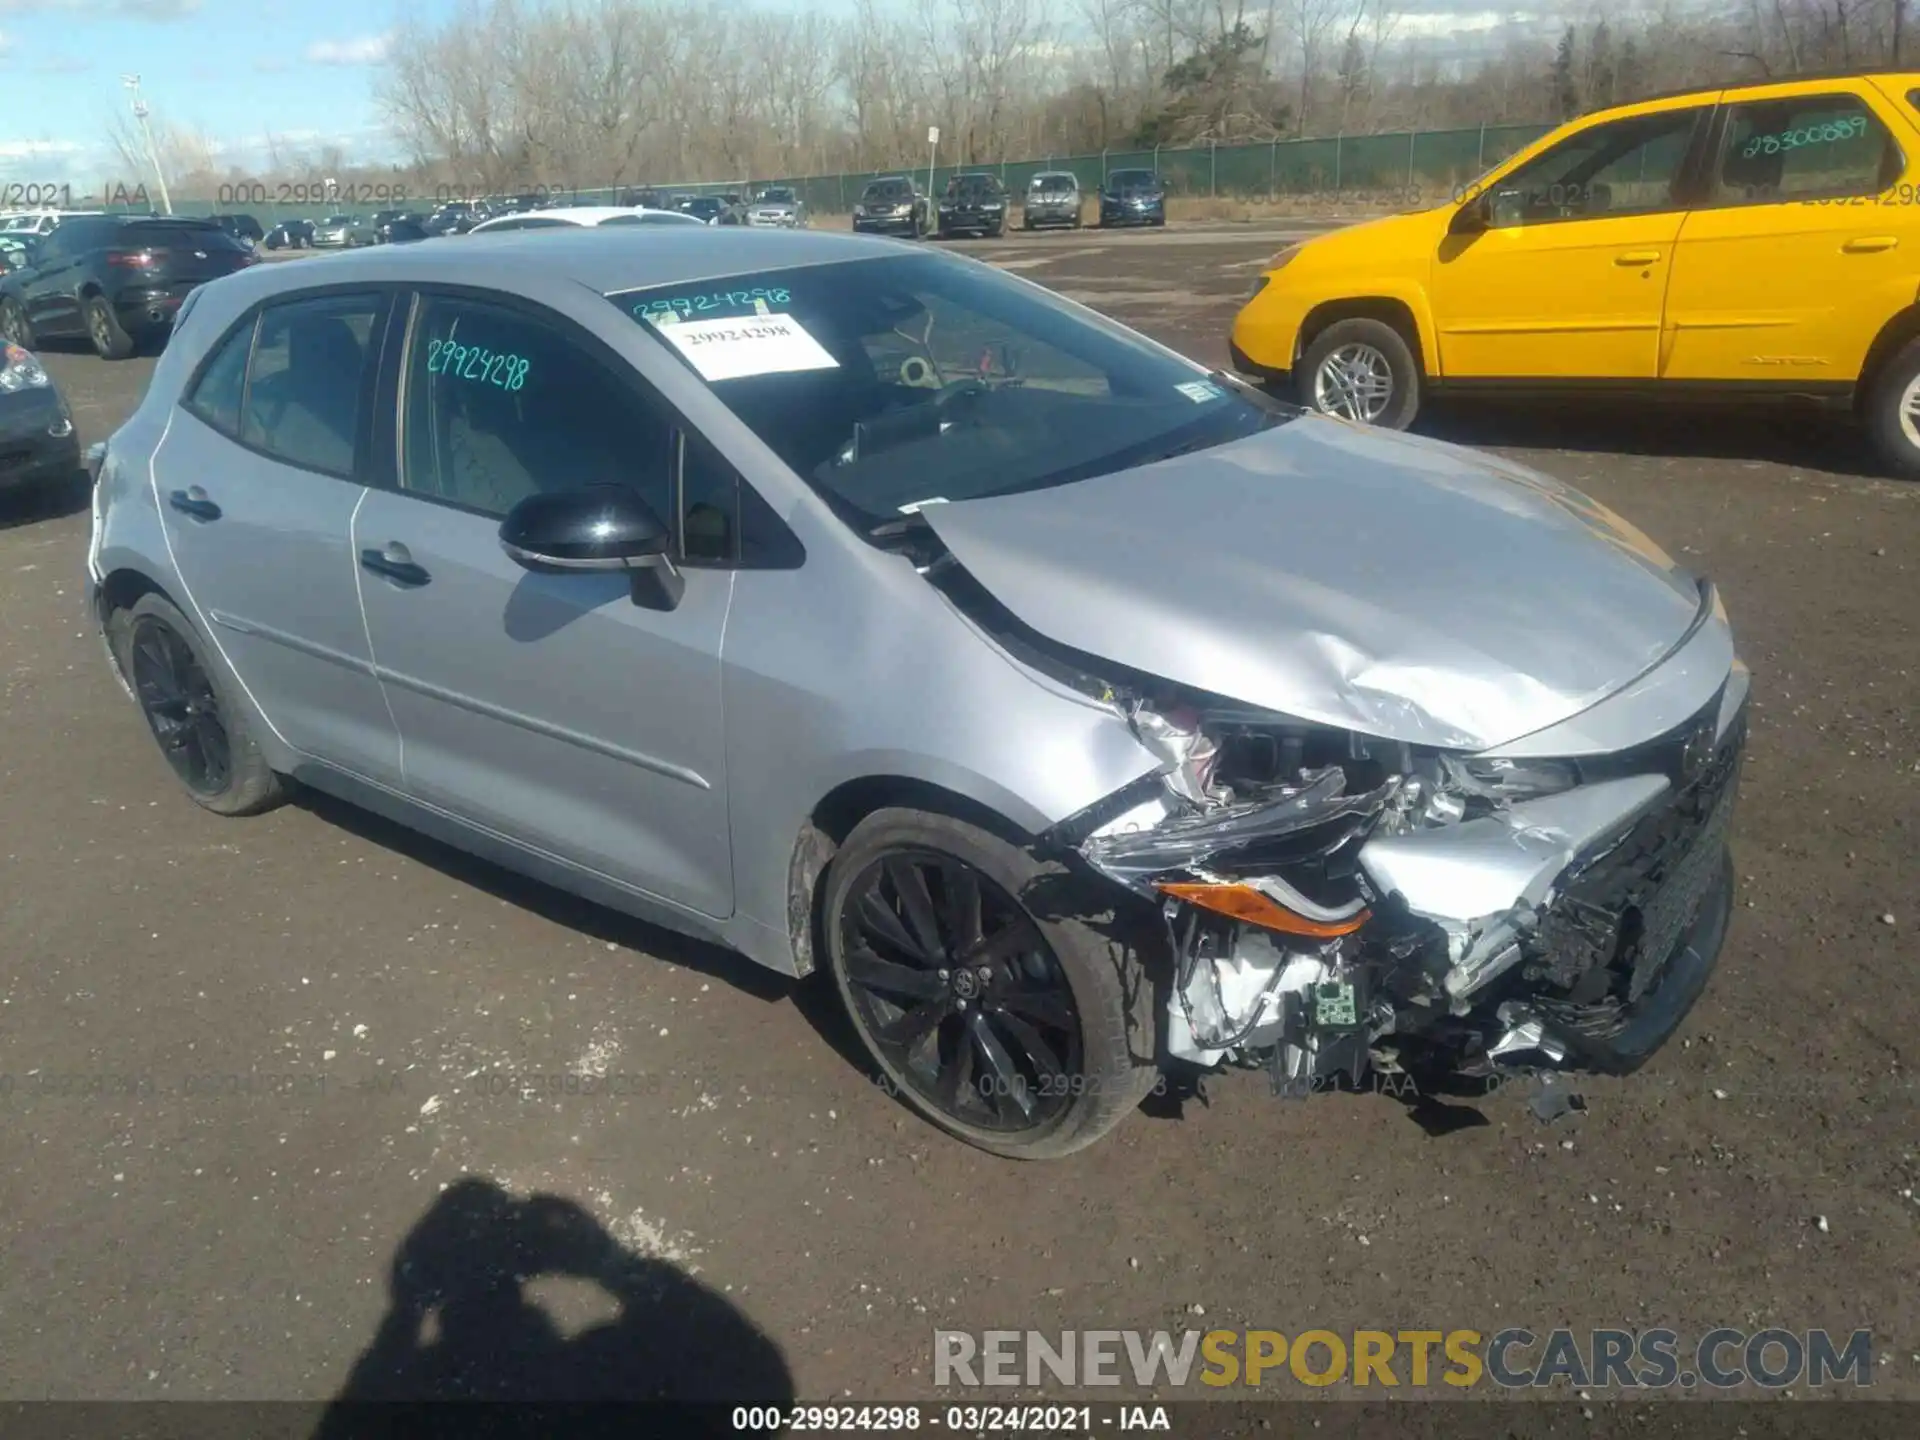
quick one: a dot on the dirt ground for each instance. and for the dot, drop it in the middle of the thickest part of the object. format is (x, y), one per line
(241, 1062)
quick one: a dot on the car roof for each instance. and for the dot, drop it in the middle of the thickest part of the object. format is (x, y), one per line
(607, 261)
(583, 215)
(1735, 87)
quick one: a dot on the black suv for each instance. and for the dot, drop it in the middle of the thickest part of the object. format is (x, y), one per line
(456, 217)
(115, 279)
(893, 205)
(973, 205)
(1132, 197)
(244, 227)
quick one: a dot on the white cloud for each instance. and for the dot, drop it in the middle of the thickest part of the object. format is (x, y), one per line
(365, 50)
(38, 149)
(138, 9)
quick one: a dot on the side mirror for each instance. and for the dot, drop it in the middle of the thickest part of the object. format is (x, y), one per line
(597, 527)
(1472, 218)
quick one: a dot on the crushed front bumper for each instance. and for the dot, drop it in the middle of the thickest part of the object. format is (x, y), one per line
(1569, 932)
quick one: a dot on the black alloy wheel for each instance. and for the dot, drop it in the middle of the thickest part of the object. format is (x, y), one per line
(954, 987)
(178, 699)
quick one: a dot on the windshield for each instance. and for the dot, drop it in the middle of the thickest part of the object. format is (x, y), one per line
(893, 383)
(776, 196)
(972, 185)
(884, 190)
(1125, 180)
(1053, 185)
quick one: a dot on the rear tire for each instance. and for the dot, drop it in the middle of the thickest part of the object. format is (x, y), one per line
(1347, 364)
(109, 337)
(1057, 984)
(202, 731)
(1892, 413)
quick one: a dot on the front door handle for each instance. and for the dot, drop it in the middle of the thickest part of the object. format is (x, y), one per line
(1638, 257)
(1870, 244)
(395, 563)
(193, 501)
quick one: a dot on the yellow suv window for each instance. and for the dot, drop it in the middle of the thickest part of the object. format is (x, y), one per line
(1619, 167)
(1801, 146)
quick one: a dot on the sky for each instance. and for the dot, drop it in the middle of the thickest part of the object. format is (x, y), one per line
(237, 70)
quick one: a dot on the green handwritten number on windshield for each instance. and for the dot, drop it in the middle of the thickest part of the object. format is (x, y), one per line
(1830, 132)
(478, 364)
(709, 305)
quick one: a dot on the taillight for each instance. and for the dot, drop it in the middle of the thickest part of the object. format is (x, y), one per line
(132, 259)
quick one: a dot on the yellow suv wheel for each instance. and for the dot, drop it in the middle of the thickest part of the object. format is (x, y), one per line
(1893, 413)
(1361, 370)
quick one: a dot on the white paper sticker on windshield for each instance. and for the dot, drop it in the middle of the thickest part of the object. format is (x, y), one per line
(754, 345)
(918, 505)
(1200, 391)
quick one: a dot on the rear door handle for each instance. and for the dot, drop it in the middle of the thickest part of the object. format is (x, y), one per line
(1870, 244)
(395, 563)
(193, 501)
(1638, 257)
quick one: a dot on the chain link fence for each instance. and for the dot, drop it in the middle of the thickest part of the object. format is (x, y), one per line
(1422, 166)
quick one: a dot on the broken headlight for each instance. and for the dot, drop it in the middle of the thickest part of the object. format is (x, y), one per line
(1501, 779)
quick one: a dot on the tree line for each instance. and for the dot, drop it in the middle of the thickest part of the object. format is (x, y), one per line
(581, 94)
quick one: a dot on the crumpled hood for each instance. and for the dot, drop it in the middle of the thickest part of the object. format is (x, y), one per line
(1348, 576)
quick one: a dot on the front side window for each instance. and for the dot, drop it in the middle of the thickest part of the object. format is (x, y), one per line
(217, 395)
(312, 368)
(1804, 147)
(889, 384)
(501, 405)
(1620, 167)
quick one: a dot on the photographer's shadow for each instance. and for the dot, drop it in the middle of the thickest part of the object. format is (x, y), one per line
(461, 1327)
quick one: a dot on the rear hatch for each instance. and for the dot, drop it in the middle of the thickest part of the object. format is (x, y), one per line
(178, 254)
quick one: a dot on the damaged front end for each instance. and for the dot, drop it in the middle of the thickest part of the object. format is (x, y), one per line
(1339, 905)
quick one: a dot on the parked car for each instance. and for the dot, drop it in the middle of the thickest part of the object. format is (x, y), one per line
(715, 210)
(114, 280)
(39, 450)
(1132, 197)
(389, 225)
(39, 222)
(777, 207)
(574, 217)
(404, 230)
(244, 227)
(1752, 242)
(936, 672)
(456, 217)
(894, 205)
(289, 235)
(973, 205)
(1053, 198)
(342, 232)
(644, 198)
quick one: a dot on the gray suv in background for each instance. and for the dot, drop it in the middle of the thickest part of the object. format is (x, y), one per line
(1052, 199)
(1081, 713)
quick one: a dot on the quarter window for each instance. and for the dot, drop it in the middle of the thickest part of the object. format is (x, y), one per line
(310, 373)
(216, 398)
(1624, 167)
(500, 406)
(1804, 147)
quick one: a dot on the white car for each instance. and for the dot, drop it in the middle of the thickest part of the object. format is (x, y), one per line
(38, 222)
(584, 215)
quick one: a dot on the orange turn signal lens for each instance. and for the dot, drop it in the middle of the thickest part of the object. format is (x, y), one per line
(1243, 902)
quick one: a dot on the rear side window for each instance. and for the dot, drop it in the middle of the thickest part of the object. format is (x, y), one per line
(310, 372)
(217, 394)
(1804, 147)
(198, 237)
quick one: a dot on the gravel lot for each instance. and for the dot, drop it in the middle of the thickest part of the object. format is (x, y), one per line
(242, 1060)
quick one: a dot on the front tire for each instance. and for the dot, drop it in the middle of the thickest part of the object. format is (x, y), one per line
(201, 730)
(1892, 414)
(988, 1002)
(15, 327)
(1363, 371)
(110, 339)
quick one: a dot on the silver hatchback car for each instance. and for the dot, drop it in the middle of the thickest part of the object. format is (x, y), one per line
(1087, 716)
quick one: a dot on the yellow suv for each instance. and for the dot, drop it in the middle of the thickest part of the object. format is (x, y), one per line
(1755, 240)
